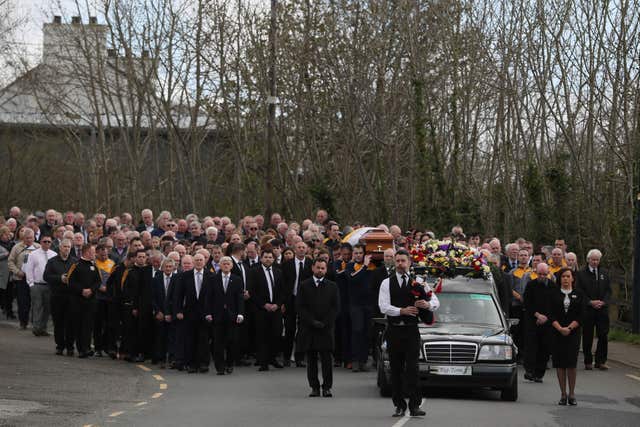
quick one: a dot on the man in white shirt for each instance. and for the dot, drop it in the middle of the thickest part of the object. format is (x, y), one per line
(403, 311)
(38, 288)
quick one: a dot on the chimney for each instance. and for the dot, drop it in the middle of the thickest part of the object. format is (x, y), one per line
(93, 20)
(57, 19)
(75, 20)
(111, 53)
(145, 54)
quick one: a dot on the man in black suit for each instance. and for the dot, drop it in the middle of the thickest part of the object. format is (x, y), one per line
(227, 304)
(238, 256)
(317, 305)
(377, 277)
(192, 311)
(161, 284)
(596, 285)
(267, 294)
(294, 272)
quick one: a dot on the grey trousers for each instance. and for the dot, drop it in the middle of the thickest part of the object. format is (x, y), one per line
(40, 306)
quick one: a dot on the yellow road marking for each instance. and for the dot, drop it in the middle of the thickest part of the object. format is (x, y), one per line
(634, 377)
(163, 386)
(141, 403)
(158, 377)
(88, 425)
(156, 395)
(144, 368)
(115, 414)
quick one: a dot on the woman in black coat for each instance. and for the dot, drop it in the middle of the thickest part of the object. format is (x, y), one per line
(566, 311)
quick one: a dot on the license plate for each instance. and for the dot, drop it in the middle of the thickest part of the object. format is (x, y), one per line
(451, 370)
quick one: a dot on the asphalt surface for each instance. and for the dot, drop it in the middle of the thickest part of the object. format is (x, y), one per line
(41, 389)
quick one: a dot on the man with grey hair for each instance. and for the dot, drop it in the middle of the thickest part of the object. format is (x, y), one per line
(55, 274)
(595, 283)
(39, 290)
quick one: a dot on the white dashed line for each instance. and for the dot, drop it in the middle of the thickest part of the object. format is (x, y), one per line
(634, 377)
(141, 403)
(156, 395)
(158, 377)
(144, 368)
(115, 414)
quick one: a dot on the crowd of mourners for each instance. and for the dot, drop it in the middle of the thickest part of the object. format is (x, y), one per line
(182, 291)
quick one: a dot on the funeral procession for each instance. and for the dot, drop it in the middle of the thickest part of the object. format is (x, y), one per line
(362, 213)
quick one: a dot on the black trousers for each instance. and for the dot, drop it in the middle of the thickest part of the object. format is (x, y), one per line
(225, 338)
(516, 312)
(598, 319)
(83, 314)
(196, 340)
(161, 340)
(327, 369)
(102, 331)
(290, 327)
(129, 331)
(403, 343)
(23, 295)
(538, 341)
(62, 316)
(268, 333)
(360, 332)
(6, 298)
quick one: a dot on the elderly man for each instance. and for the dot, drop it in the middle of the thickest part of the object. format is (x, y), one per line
(596, 285)
(119, 251)
(212, 234)
(538, 332)
(147, 221)
(557, 260)
(38, 287)
(17, 257)
(55, 274)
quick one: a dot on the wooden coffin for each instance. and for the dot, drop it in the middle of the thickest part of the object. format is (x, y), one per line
(376, 242)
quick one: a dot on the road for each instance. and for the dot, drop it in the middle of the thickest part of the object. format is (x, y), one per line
(38, 388)
(279, 398)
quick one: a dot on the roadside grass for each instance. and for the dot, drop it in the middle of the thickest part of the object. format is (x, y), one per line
(617, 334)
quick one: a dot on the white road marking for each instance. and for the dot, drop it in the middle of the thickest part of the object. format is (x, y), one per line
(156, 395)
(163, 386)
(115, 414)
(402, 421)
(144, 368)
(634, 377)
(141, 403)
(158, 377)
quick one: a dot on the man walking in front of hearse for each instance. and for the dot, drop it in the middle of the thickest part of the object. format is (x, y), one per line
(404, 311)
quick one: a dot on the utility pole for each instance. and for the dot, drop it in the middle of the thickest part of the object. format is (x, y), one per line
(271, 100)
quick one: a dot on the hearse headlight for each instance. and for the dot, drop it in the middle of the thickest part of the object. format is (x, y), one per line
(495, 352)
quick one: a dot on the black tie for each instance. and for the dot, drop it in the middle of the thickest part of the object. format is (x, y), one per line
(404, 281)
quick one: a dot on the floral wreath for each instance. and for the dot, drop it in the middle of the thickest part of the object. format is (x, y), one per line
(448, 259)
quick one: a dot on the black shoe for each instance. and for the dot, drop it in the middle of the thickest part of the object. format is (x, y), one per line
(315, 392)
(362, 367)
(337, 363)
(243, 363)
(203, 370)
(192, 370)
(572, 401)
(128, 359)
(162, 366)
(263, 368)
(537, 380)
(327, 393)
(417, 412)
(45, 334)
(275, 364)
(83, 355)
(287, 363)
(220, 373)
(70, 353)
(98, 354)
(90, 353)
(180, 367)
(113, 355)
(528, 376)
(301, 364)
(59, 352)
(229, 370)
(36, 333)
(139, 359)
(23, 326)
(563, 401)
(399, 412)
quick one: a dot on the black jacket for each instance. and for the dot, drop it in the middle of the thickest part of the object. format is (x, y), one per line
(576, 307)
(84, 276)
(53, 272)
(259, 288)
(186, 301)
(317, 308)
(537, 297)
(289, 276)
(159, 302)
(594, 288)
(225, 306)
